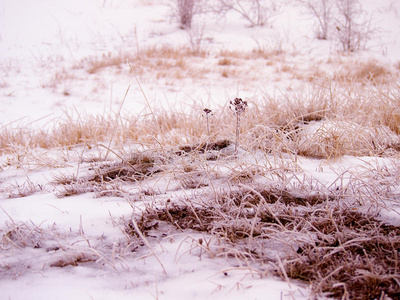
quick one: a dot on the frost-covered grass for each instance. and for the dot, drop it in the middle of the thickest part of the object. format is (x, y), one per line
(125, 173)
(270, 214)
(262, 204)
(259, 204)
(325, 120)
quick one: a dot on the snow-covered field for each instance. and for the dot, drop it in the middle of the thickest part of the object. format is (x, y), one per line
(66, 234)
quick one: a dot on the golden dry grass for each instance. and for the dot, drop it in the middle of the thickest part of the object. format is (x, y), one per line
(351, 109)
(360, 71)
(181, 62)
(347, 120)
(176, 63)
(359, 105)
(329, 119)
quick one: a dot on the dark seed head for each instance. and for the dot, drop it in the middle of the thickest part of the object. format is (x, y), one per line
(238, 105)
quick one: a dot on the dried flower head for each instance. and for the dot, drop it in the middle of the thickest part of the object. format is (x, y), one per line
(238, 105)
(207, 111)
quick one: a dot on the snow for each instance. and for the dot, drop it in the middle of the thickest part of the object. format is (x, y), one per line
(43, 39)
(76, 222)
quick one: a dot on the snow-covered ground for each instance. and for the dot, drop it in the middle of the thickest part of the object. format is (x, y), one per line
(45, 49)
(44, 45)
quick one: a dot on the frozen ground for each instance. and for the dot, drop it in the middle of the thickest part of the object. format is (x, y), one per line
(45, 47)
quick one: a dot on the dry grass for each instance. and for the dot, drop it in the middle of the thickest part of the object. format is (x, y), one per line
(161, 62)
(105, 178)
(173, 64)
(363, 71)
(55, 249)
(225, 62)
(333, 139)
(325, 121)
(95, 65)
(300, 229)
(23, 235)
(74, 258)
(328, 236)
(342, 252)
(355, 257)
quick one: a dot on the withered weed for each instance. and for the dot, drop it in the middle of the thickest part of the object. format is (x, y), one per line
(238, 106)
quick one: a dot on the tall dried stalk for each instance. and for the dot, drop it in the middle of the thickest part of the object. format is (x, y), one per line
(238, 106)
(207, 115)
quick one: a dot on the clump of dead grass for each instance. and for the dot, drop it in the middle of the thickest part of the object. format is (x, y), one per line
(136, 166)
(76, 187)
(55, 249)
(21, 190)
(354, 257)
(95, 64)
(22, 235)
(172, 63)
(363, 71)
(104, 177)
(325, 121)
(341, 251)
(162, 62)
(332, 139)
(237, 207)
(74, 258)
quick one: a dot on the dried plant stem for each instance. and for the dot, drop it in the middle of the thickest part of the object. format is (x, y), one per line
(148, 245)
(116, 122)
(207, 115)
(208, 126)
(237, 132)
(238, 106)
(282, 269)
(144, 95)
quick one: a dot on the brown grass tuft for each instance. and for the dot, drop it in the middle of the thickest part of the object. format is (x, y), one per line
(363, 71)
(354, 257)
(327, 120)
(104, 177)
(342, 252)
